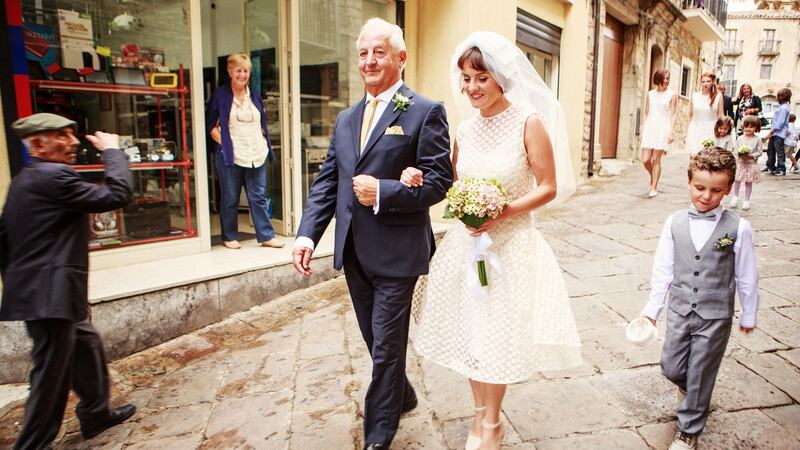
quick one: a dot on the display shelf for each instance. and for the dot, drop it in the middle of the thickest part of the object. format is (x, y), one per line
(95, 88)
(135, 166)
(182, 166)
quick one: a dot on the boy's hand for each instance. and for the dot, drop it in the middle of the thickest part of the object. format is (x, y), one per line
(745, 330)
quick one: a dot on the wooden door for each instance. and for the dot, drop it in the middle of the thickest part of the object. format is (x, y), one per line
(613, 41)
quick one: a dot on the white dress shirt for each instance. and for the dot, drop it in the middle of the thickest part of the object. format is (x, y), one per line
(745, 266)
(384, 99)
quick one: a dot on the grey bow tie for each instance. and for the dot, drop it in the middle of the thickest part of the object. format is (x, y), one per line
(708, 215)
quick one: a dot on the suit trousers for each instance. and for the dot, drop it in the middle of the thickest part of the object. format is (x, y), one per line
(383, 309)
(65, 354)
(692, 353)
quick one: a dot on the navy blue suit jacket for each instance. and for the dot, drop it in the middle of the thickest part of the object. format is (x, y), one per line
(398, 241)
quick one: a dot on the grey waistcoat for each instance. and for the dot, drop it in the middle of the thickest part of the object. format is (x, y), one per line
(703, 281)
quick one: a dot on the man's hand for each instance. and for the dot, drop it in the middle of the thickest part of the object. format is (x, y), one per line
(411, 177)
(102, 141)
(653, 321)
(745, 330)
(301, 259)
(366, 189)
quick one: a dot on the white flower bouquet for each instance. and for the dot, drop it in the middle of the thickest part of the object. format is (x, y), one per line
(743, 151)
(473, 201)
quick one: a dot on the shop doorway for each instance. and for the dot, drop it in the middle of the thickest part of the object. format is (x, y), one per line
(252, 27)
(613, 43)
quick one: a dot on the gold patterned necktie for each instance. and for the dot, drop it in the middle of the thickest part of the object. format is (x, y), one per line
(366, 124)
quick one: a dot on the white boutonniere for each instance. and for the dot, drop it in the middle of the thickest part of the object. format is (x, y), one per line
(725, 242)
(401, 102)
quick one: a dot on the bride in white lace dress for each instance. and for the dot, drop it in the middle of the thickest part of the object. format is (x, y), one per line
(522, 323)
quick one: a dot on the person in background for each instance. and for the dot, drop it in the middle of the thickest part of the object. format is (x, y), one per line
(727, 103)
(723, 136)
(236, 121)
(659, 120)
(791, 144)
(747, 104)
(44, 262)
(705, 109)
(776, 154)
(746, 164)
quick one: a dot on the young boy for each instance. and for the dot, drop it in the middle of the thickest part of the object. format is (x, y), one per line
(776, 156)
(704, 255)
(791, 143)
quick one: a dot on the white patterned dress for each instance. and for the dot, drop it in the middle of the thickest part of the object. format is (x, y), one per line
(525, 324)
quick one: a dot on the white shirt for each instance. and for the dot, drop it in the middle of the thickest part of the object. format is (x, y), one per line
(244, 124)
(745, 266)
(384, 98)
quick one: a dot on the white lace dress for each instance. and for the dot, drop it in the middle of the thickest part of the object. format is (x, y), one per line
(704, 116)
(656, 128)
(525, 324)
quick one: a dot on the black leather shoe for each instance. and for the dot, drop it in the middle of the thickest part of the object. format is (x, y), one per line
(116, 417)
(409, 405)
(376, 447)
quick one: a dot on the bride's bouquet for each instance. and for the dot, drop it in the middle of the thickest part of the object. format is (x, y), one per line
(473, 201)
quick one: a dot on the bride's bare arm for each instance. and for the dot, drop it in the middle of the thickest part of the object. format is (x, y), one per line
(539, 150)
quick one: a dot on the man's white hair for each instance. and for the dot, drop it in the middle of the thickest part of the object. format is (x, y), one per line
(392, 32)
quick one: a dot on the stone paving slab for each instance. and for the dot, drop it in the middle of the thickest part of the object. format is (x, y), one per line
(292, 373)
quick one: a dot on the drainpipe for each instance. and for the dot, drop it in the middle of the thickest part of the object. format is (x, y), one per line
(593, 114)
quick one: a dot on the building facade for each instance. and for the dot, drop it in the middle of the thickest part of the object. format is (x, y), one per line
(144, 69)
(761, 47)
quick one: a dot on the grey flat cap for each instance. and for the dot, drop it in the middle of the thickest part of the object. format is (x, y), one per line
(40, 122)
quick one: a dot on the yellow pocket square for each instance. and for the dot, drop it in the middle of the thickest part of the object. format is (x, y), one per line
(396, 129)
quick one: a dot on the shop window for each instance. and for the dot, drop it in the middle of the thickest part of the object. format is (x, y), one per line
(541, 43)
(329, 76)
(123, 68)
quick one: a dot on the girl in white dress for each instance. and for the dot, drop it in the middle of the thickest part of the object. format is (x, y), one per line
(707, 106)
(521, 323)
(659, 121)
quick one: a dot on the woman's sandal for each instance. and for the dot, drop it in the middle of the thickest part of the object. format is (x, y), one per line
(474, 442)
(491, 426)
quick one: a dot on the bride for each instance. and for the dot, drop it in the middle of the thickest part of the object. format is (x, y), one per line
(521, 322)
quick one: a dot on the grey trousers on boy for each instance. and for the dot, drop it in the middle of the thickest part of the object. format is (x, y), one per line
(692, 353)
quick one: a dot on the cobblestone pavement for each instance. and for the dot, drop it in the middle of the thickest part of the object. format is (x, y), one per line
(292, 373)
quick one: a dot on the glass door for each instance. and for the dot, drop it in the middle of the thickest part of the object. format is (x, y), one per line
(253, 27)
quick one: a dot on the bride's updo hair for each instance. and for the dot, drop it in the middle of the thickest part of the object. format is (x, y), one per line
(475, 58)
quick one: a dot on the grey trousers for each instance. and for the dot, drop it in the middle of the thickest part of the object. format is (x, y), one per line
(65, 354)
(692, 353)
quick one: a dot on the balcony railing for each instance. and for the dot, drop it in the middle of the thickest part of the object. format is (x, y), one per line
(732, 48)
(717, 9)
(769, 47)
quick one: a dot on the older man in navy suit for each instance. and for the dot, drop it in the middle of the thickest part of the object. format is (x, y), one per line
(383, 237)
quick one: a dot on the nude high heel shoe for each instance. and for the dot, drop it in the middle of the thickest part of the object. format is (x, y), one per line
(474, 442)
(490, 426)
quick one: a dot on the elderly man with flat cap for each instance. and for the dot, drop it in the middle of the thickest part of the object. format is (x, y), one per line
(44, 262)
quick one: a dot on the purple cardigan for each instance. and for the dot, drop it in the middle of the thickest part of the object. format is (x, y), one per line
(219, 108)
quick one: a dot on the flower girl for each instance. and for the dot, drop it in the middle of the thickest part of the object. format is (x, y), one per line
(748, 149)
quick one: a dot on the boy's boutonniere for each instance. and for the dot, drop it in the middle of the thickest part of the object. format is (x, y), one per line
(725, 242)
(401, 102)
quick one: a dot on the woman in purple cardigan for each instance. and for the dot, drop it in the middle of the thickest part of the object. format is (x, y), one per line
(236, 121)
